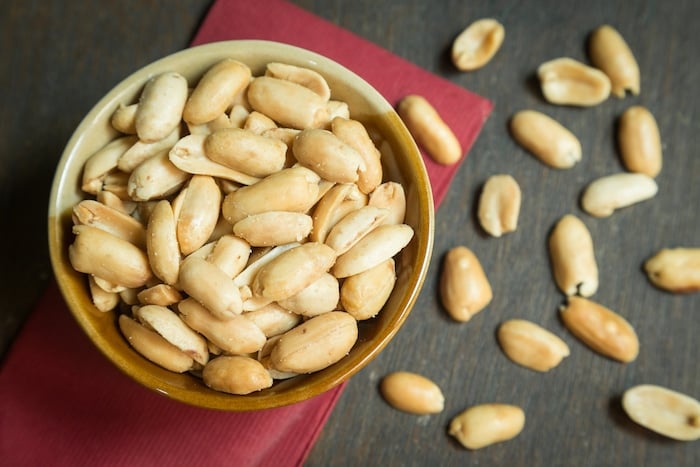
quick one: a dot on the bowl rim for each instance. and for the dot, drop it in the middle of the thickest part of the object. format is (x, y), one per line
(223, 401)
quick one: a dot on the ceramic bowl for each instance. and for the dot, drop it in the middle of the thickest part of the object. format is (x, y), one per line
(401, 163)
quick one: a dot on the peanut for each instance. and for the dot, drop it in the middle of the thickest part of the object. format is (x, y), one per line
(572, 257)
(610, 53)
(606, 194)
(482, 425)
(546, 139)
(236, 375)
(412, 393)
(499, 205)
(477, 44)
(675, 269)
(639, 141)
(667, 412)
(464, 287)
(160, 108)
(531, 345)
(566, 81)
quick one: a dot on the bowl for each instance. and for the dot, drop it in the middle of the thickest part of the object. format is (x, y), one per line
(401, 162)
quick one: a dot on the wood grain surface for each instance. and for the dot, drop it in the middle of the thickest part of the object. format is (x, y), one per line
(58, 58)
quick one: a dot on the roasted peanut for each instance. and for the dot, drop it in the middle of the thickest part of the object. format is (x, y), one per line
(141, 151)
(377, 246)
(464, 288)
(363, 295)
(321, 296)
(196, 209)
(482, 425)
(339, 201)
(606, 194)
(639, 141)
(390, 196)
(95, 214)
(531, 345)
(354, 134)
(600, 328)
(155, 178)
(210, 286)
(499, 205)
(610, 53)
(667, 412)
(566, 81)
(230, 254)
(153, 347)
(104, 300)
(412, 393)
(351, 228)
(429, 129)
(315, 344)
(476, 45)
(161, 243)
(104, 255)
(216, 91)
(102, 162)
(300, 75)
(273, 228)
(328, 156)
(572, 257)
(546, 139)
(273, 319)
(124, 119)
(675, 269)
(245, 151)
(160, 107)
(236, 375)
(288, 103)
(159, 294)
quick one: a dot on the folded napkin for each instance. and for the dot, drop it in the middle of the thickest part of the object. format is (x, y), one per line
(63, 403)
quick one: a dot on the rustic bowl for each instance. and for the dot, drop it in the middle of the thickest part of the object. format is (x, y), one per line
(401, 162)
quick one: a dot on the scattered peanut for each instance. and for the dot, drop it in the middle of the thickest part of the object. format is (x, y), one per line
(482, 425)
(639, 141)
(675, 269)
(531, 345)
(606, 194)
(667, 412)
(412, 393)
(601, 329)
(546, 139)
(499, 205)
(464, 287)
(477, 44)
(572, 257)
(566, 81)
(610, 53)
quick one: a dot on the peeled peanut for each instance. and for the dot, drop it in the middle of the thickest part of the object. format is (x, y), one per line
(429, 129)
(287, 103)
(104, 300)
(531, 345)
(169, 325)
(482, 425)
(95, 214)
(319, 297)
(117, 183)
(610, 53)
(236, 375)
(197, 212)
(340, 200)
(355, 225)
(328, 156)
(572, 257)
(273, 228)
(639, 141)
(316, 344)
(382, 243)
(675, 269)
(155, 178)
(566, 81)
(355, 134)
(124, 119)
(141, 151)
(606, 194)
(104, 255)
(160, 106)
(153, 347)
(273, 319)
(215, 91)
(390, 196)
(412, 393)
(363, 295)
(477, 44)
(102, 162)
(600, 328)
(464, 287)
(230, 253)
(159, 294)
(161, 243)
(499, 205)
(293, 270)
(294, 189)
(300, 75)
(546, 139)
(246, 151)
(667, 412)
(258, 123)
(233, 335)
(210, 286)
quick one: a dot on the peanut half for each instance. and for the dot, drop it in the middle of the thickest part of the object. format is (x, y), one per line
(499, 205)
(546, 139)
(572, 257)
(412, 393)
(464, 287)
(160, 108)
(610, 53)
(429, 129)
(639, 141)
(601, 329)
(675, 269)
(482, 425)
(236, 374)
(566, 81)
(606, 194)
(667, 412)
(477, 44)
(531, 345)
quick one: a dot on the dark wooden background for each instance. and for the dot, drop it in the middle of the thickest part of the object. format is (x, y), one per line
(58, 58)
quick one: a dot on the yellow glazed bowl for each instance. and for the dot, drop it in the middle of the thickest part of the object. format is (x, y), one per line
(401, 162)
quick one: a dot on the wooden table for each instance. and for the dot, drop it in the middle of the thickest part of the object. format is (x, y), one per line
(59, 58)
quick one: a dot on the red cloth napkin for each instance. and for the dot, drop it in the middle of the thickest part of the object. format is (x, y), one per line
(63, 403)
